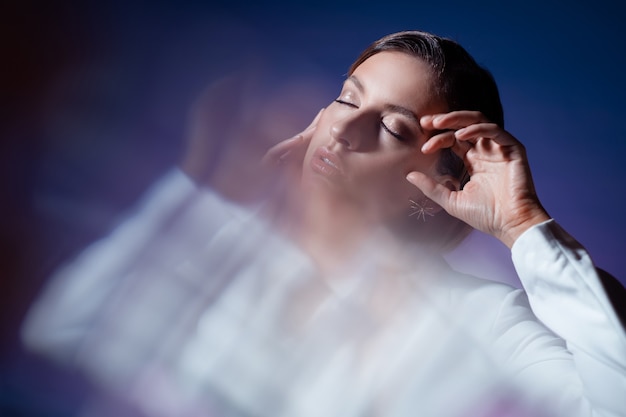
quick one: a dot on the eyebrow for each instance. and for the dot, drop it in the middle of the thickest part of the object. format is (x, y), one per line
(391, 107)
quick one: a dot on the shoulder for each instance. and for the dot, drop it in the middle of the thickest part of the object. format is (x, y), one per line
(483, 306)
(464, 289)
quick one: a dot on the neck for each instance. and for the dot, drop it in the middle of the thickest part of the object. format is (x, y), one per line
(329, 230)
(339, 239)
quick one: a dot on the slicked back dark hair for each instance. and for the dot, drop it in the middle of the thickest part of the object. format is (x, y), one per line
(463, 85)
(461, 82)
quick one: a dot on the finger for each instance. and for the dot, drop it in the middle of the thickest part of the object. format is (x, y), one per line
(443, 141)
(279, 152)
(453, 120)
(486, 130)
(446, 140)
(439, 141)
(435, 191)
(315, 120)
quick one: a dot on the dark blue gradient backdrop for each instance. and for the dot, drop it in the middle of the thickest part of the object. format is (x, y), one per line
(95, 98)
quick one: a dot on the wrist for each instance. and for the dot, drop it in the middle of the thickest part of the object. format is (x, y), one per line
(510, 234)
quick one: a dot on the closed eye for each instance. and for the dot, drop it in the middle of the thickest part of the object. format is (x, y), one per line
(391, 132)
(345, 103)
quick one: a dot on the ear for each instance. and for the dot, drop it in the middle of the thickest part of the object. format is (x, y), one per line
(448, 181)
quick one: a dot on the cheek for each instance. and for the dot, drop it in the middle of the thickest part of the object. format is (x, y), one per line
(400, 164)
(426, 164)
(388, 194)
(389, 177)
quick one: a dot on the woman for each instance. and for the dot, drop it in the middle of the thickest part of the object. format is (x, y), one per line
(332, 298)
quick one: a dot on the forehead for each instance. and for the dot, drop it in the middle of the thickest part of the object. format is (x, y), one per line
(398, 78)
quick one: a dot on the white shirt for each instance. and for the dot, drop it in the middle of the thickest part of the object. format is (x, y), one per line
(194, 306)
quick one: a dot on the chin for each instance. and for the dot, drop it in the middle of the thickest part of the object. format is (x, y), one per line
(313, 182)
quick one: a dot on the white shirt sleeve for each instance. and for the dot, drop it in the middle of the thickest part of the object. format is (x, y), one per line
(567, 295)
(172, 216)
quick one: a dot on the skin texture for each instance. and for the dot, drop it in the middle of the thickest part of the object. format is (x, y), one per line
(500, 198)
(364, 156)
(373, 134)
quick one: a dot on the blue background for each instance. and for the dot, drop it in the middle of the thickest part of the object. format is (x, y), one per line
(95, 98)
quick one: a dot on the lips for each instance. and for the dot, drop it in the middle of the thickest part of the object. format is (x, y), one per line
(326, 163)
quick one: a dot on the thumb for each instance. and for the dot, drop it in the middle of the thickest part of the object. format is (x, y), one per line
(438, 193)
(295, 145)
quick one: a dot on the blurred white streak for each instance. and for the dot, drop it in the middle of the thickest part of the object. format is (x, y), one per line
(195, 307)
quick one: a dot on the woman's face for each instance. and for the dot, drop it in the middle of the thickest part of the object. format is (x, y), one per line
(369, 138)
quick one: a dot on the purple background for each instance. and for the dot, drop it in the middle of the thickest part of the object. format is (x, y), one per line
(94, 100)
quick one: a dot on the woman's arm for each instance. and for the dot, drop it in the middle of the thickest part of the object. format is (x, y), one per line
(177, 216)
(173, 210)
(566, 293)
(564, 288)
(500, 197)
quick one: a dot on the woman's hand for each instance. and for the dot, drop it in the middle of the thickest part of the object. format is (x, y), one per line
(500, 198)
(290, 152)
(231, 126)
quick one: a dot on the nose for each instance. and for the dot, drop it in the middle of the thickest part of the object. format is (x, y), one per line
(351, 131)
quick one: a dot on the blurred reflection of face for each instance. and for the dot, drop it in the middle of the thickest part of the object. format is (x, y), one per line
(369, 138)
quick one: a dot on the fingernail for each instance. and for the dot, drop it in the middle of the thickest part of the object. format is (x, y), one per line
(283, 157)
(459, 132)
